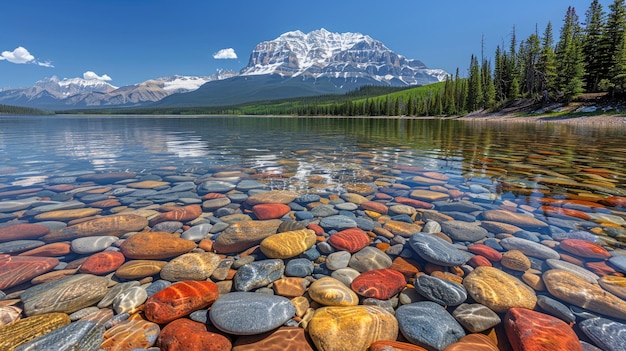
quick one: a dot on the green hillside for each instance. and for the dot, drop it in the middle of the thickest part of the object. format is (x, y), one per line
(19, 110)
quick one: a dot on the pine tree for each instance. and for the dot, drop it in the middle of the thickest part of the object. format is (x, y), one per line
(530, 55)
(489, 90)
(614, 39)
(569, 58)
(474, 90)
(547, 63)
(594, 50)
(618, 71)
(498, 76)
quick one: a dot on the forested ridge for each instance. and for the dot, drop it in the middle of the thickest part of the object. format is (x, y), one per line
(19, 110)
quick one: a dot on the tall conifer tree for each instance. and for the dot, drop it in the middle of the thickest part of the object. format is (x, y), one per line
(595, 53)
(569, 58)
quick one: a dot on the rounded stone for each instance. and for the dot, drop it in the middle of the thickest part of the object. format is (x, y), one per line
(288, 244)
(22, 231)
(15, 270)
(473, 342)
(131, 334)
(614, 284)
(137, 269)
(498, 290)
(67, 215)
(258, 274)
(17, 246)
(531, 330)
(270, 211)
(529, 248)
(517, 219)
(243, 235)
(463, 231)
(129, 300)
(329, 291)
(191, 266)
(115, 225)
(572, 268)
(89, 245)
(185, 334)
(179, 300)
(299, 267)
(584, 248)
(283, 338)
(351, 240)
(608, 334)
(428, 325)
(247, 313)
(515, 260)
(369, 258)
(352, 328)
(155, 246)
(102, 263)
(476, 317)
(180, 214)
(555, 308)
(338, 260)
(441, 291)
(381, 284)
(338, 222)
(272, 197)
(345, 275)
(436, 250)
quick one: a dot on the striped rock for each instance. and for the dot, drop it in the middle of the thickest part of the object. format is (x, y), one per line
(498, 290)
(22, 231)
(24, 330)
(181, 214)
(283, 338)
(180, 299)
(131, 334)
(191, 266)
(115, 225)
(331, 292)
(108, 203)
(380, 284)
(137, 269)
(473, 342)
(374, 206)
(75, 336)
(614, 284)
(53, 276)
(241, 236)
(272, 197)
(288, 244)
(15, 270)
(531, 330)
(486, 251)
(67, 215)
(9, 314)
(402, 228)
(67, 295)
(413, 203)
(185, 334)
(155, 246)
(270, 211)
(584, 248)
(352, 328)
(49, 250)
(102, 263)
(106, 178)
(351, 240)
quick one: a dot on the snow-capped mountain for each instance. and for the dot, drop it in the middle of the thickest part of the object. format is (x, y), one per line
(320, 54)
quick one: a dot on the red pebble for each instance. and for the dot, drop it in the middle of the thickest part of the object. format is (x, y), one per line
(478, 261)
(351, 240)
(23, 231)
(584, 248)
(180, 299)
(413, 202)
(380, 284)
(180, 214)
(102, 262)
(486, 251)
(530, 330)
(316, 228)
(374, 206)
(15, 270)
(185, 334)
(270, 211)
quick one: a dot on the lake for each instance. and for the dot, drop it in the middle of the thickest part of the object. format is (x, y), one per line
(525, 198)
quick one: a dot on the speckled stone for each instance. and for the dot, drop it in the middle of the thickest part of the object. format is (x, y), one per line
(529, 248)
(429, 325)
(65, 295)
(137, 269)
(247, 313)
(352, 328)
(258, 274)
(191, 266)
(498, 290)
(441, 291)
(115, 225)
(369, 258)
(243, 235)
(180, 299)
(350, 240)
(531, 330)
(570, 288)
(24, 330)
(610, 335)
(288, 244)
(476, 317)
(15, 270)
(155, 246)
(436, 250)
(515, 260)
(185, 334)
(283, 338)
(380, 284)
(329, 291)
(130, 335)
(85, 336)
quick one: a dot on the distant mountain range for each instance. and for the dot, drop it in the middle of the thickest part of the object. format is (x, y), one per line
(292, 65)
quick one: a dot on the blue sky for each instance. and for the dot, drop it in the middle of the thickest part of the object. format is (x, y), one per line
(130, 41)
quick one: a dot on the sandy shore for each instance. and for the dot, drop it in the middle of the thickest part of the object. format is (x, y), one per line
(597, 120)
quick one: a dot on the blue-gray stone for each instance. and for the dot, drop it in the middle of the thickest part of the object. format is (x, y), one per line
(214, 186)
(457, 206)
(476, 317)
(139, 193)
(167, 226)
(494, 244)
(441, 291)
(369, 258)
(311, 254)
(338, 260)
(157, 286)
(324, 210)
(91, 244)
(249, 184)
(529, 248)
(461, 216)
(365, 223)
(555, 308)
(119, 192)
(17, 246)
(325, 248)
(348, 214)
(3, 295)
(298, 267)
(84, 336)
(337, 222)
(347, 206)
(115, 291)
(463, 231)
(436, 250)
(308, 198)
(296, 207)
(428, 325)
(524, 234)
(258, 274)
(238, 197)
(201, 316)
(589, 347)
(197, 232)
(302, 215)
(89, 198)
(609, 335)
(619, 263)
(247, 313)
(218, 227)
(402, 218)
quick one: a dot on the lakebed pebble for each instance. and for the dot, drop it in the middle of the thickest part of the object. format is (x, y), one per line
(398, 260)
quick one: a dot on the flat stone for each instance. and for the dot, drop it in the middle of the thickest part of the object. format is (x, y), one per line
(324, 210)
(243, 235)
(65, 295)
(197, 232)
(555, 308)
(571, 288)
(155, 246)
(106, 178)
(131, 334)
(9, 314)
(402, 228)
(22, 231)
(15, 270)
(436, 250)
(338, 260)
(345, 275)
(258, 274)
(214, 204)
(270, 211)
(137, 269)
(391, 345)
(351, 328)
(75, 336)
(498, 227)
(17, 246)
(354, 198)
(381, 284)
(283, 338)
(473, 342)
(147, 184)
(428, 196)
(441, 291)
(329, 291)
(115, 225)
(89, 245)
(517, 219)
(24, 330)
(338, 222)
(114, 292)
(191, 266)
(619, 262)
(614, 284)
(529, 248)
(180, 214)
(49, 250)
(463, 231)
(214, 186)
(102, 263)
(185, 334)
(350, 240)
(232, 313)
(180, 299)
(498, 290)
(299, 267)
(369, 258)
(584, 248)
(288, 244)
(531, 330)
(67, 215)
(608, 334)
(272, 197)
(428, 325)
(476, 317)
(572, 268)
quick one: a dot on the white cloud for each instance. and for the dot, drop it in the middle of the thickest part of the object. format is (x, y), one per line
(89, 75)
(20, 56)
(228, 53)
